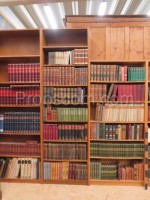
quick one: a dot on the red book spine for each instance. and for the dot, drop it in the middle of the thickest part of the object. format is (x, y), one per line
(30, 72)
(22, 72)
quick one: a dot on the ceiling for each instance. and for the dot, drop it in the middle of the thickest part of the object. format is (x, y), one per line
(50, 13)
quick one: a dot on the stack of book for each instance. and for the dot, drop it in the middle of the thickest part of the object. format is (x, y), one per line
(64, 151)
(65, 75)
(109, 72)
(28, 148)
(65, 95)
(18, 95)
(64, 114)
(20, 123)
(120, 112)
(76, 56)
(23, 168)
(65, 171)
(109, 149)
(116, 131)
(24, 72)
(65, 132)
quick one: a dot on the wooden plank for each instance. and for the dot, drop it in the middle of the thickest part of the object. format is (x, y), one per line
(126, 45)
(136, 42)
(98, 43)
(146, 43)
(117, 37)
(108, 43)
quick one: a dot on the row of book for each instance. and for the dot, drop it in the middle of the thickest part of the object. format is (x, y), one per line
(109, 149)
(65, 75)
(28, 148)
(116, 131)
(69, 151)
(149, 151)
(128, 92)
(101, 171)
(65, 95)
(65, 132)
(24, 72)
(20, 123)
(120, 112)
(76, 56)
(110, 171)
(98, 92)
(65, 171)
(23, 168)
(111, 72)
(64, 114)
(27, 95)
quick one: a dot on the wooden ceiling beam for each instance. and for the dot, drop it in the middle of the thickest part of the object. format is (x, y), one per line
(27, 2)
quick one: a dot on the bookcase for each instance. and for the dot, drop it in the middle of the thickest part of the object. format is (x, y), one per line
(117, 121)
(20, 105)
(65, 106)
(69, 115)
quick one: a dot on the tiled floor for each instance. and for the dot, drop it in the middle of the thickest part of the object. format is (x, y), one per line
(13, 191)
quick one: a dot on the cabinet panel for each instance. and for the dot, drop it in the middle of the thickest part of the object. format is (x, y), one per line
(98, 43)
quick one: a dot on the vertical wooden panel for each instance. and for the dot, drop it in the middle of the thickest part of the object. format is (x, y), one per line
(146, 43)
(136, 42)
(108, 43)
(117, 40)
(98, 43)
(126, 45)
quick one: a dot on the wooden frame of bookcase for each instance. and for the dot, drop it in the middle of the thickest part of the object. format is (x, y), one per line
(144, 140)
(40, 57)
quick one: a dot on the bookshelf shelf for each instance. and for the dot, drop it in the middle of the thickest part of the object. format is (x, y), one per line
(19, 83)
(117, 182)
(104, 140)
(69, 65)
(19, 156)
(68, 47)
(119, 102)
(64, 85)
(21, 180)
(20, 58)
(19, 133)
(119, 82)
(117, 158)
(65, 121)
(66, 141)
(65, 103)
(20, 106)
(118, 122)
(73, 182)
(66, 160)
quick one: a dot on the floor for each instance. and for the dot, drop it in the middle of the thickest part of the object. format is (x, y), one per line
(16, 191)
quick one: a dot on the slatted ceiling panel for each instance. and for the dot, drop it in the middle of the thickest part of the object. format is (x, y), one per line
(134, 5)
(146, 7)
(68, 8)
(108, 6)
(82, 7)
(113, 4)
(34, 16)
(43, 12)
(57, 15)
(120, 6)
(95, 6)
(18, 12)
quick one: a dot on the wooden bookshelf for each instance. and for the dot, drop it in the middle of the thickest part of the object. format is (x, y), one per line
(34, 46)
(51, 45)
